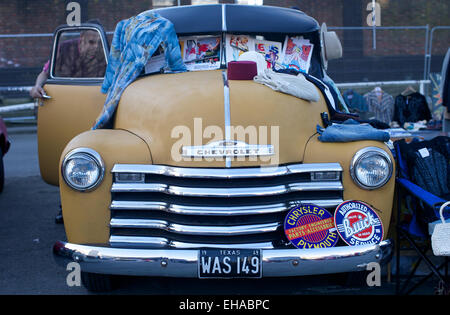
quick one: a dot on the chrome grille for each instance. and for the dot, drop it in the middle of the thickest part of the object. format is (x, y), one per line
(173, 207)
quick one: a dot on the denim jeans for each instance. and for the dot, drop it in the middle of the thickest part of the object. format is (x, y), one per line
(351, 130)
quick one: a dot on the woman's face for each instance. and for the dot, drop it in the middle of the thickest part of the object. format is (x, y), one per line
(89, 43)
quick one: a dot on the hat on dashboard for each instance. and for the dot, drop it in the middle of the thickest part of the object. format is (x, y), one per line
(331, 47)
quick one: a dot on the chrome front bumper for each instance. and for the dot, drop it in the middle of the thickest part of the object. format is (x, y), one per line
(184, 263)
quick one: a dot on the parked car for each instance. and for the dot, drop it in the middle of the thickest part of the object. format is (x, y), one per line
(141, 199)
(4, 147)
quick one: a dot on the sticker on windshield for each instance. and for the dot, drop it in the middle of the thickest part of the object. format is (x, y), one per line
(358, 224)
(310, 226)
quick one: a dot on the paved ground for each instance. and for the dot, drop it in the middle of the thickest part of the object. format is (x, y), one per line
(27, 233)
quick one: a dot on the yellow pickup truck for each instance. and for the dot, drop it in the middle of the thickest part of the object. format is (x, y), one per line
(180, 186)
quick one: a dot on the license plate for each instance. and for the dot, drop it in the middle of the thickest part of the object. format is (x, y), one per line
(229, 263)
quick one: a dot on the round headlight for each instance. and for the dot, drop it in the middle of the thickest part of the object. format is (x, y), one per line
(83, 169)
(371, 168)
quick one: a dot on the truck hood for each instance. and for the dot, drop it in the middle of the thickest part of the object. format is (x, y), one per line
(169, 111)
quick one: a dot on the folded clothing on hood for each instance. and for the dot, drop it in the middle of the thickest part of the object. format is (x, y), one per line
(134, 42)
(351, 130)
(295, 85)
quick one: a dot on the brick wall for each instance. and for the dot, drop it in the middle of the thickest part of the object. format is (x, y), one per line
(329, 11)
(109, 12)
(43, 16)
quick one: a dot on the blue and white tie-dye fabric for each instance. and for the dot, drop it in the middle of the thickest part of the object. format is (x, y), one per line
(134, 42)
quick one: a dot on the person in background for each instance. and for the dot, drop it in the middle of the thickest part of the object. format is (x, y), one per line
(38, 91)
(82, 57)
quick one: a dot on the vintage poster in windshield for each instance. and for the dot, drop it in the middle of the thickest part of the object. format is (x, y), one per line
(297, 53)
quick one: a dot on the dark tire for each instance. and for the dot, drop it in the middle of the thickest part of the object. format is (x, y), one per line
(349, 279)
(2, 171)
(356, 279)
(97, 282)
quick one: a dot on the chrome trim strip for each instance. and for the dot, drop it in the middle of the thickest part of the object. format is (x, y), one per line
(218, 210)
(160, 242)
(194, 229)
(183, 245)
(227, 114)
(227, 192)
(138, 241)
(228, 148)
(224, 19)
(225, 172)
(184, 262)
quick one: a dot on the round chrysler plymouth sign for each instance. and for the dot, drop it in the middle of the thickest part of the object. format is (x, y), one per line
(310, 226)
(357, 223)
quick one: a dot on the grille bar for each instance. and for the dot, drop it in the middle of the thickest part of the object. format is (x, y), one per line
(218, 211)
(224, 173)
(194, 229)
(226, 192)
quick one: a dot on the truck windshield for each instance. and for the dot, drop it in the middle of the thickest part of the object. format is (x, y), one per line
(214, 51)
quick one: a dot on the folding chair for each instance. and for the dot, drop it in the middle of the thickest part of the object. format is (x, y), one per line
(424, 209)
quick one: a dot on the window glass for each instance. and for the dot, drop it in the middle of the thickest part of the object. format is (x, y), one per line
(204, 1)
(250, 2)
(163, 3)
(79, 54)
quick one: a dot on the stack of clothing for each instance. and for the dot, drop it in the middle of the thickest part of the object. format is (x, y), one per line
(427, 162)
(427, 165)
(295, 85)
(351, 130)
(411, 108)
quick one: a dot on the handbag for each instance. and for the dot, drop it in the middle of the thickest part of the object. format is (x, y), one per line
(440, 239)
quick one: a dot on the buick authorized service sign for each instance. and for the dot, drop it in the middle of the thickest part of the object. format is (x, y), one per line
(358, 223)
(310, 226)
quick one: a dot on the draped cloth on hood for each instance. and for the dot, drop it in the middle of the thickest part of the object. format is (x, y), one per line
(134, 42)
(295, 85)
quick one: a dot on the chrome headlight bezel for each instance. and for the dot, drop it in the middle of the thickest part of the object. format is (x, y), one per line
(365, 153)
(88, 154)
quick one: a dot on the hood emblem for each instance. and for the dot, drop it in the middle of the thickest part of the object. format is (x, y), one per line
(228, 148)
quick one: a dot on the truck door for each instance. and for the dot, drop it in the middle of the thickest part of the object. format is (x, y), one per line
(77, 68)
